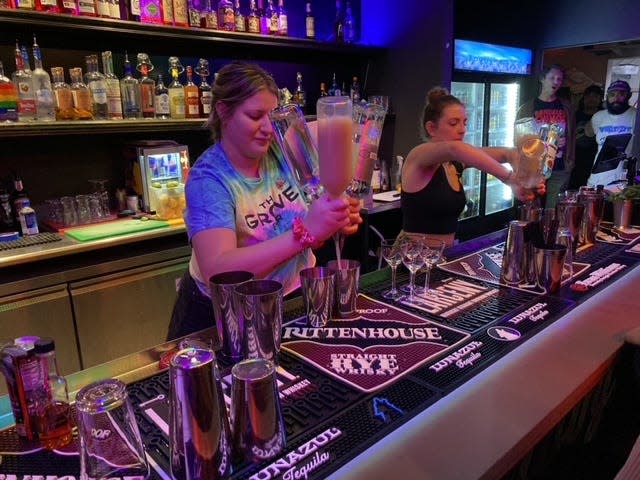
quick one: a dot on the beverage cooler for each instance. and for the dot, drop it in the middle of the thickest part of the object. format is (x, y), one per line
(487, 80)
(491, 112)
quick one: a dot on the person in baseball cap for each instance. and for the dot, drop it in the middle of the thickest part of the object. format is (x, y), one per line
(618, 95)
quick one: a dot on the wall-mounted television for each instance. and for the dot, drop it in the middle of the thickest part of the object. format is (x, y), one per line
(473, 56)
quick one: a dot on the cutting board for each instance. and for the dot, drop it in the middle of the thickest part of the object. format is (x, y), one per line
(112, 229)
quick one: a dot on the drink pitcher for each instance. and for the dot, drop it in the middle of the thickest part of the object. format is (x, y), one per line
(199, 433)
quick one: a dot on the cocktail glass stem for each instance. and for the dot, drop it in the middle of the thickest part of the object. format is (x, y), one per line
(427, 274)
(412, 278)
(394, 291)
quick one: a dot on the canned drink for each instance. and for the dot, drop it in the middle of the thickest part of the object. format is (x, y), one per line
(13, 361)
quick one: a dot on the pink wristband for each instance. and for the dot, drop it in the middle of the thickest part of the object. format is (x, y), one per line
(301, 234)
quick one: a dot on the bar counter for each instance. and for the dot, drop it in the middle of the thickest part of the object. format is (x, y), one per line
(482, 425)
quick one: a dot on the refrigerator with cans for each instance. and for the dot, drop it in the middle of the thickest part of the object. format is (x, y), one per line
(487, 79)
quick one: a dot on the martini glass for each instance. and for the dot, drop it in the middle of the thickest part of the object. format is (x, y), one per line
(391, 251)
(335, 132)
(413, 260)
(431, 254)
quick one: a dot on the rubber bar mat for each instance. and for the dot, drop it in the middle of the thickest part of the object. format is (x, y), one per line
(502, 303)
(453, 368)
(30, 240)
(597, 252)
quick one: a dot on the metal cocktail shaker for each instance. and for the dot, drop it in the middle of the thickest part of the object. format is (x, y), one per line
(516, 254)
(199, 433)
(593, 210)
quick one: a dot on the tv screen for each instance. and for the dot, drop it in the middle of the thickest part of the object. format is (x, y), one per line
(487, 57)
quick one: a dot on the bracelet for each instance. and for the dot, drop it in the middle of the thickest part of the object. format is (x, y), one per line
(301, 234)
(508, 179)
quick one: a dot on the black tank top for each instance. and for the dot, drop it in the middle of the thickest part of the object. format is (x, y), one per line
(434, 209)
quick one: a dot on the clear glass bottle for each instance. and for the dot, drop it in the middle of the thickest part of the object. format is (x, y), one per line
(334, 89)
(272, 15)
(163, 109)
(338, 24)
(354, 91)
(9, 95)
(226, 17)
(82, 108)
(98, 87)
(192, 109)
(130, 92)
(45, 104)
(265, 21)
(253, 19)
(147, 86)
(23, 80)
(349, 25)
(299, 96)
(283, 23)
(239, 18)
(62, 95)
(204, 89)
(309, 23)
(114, 97)
(176, 89)
(54, 413)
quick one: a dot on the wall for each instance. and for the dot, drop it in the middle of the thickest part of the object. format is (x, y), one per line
(418, 38)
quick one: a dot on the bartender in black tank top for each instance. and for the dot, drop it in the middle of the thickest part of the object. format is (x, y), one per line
(432, 195)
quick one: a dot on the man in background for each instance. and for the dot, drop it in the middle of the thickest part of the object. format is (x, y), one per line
(549, 108)
(618, 118)
(586, 146)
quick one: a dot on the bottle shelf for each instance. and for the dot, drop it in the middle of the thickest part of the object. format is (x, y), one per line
(28, 129)
(101, 28)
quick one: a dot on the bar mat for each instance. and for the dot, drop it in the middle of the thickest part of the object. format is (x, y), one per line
(30, 240)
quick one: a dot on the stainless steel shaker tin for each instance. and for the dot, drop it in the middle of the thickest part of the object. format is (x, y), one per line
(199, 433)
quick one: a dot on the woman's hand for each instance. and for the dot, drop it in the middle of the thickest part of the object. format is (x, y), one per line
(525, 194)
(326, 216)
(354, 217)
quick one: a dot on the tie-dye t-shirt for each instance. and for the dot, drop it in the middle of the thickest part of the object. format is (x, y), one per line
(257, 209)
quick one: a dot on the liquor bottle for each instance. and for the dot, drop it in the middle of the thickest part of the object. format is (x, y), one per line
(166, 10)
(98, 87)
(130, 92)
(309, 23)
(283, 24)
(349, 25)
(6, 220)
(114, 10)
(25, 4)
(54, 413)
(253, 19)
(226, 17)
(180, 13)
(8, 98)
(196, 13)
(211, 15)
(191, 103)
(147, 86)
(70, 7)
(82, 108)
(62, 95)
(338, 24)
(163, 110)
(272, 15)
(204, 89)
(130, 10)
(23, 80)
(323, 90)
(334, 89)
(114, 98)
(102, 8)
(354, 91)
(151, 11)
(7, 4)
(18, 199)
(50, 6)
(28, 219)
(176, 90)
(86, 8)
(265, 21)
(299, 96)
(241, 25)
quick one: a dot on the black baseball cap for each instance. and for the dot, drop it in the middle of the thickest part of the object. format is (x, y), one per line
(619, 85)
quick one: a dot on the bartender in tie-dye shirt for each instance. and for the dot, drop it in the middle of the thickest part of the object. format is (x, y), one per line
(244, 209)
